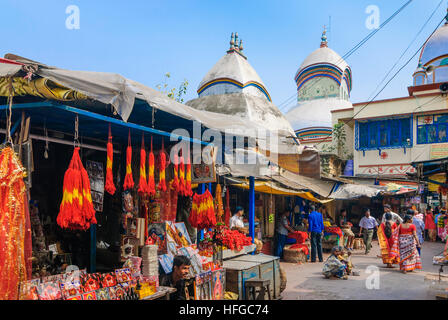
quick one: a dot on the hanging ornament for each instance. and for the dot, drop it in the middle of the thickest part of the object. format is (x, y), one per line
(182, 175)
(162, 166)
(128, 179)
(143, 185)
(151, 183)
(76, 211)
(219, 208)
(110, 186)
(188, 190)
(175, 173)
(227, 212)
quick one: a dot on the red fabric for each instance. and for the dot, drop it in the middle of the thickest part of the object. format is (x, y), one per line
(143, 184)
(335, 230)
(429, 222)
(110, 186)
(128, 179)
(409, 230)
(300, 236)
(302, 247)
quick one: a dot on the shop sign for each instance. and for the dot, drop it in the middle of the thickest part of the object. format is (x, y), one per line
(438, 151)
(439, 177)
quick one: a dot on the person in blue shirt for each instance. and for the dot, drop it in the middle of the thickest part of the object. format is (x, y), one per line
(316, 228)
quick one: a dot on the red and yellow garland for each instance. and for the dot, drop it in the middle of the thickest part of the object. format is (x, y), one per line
(110, 186)
(143, 185)
(128, 179)
(175, 184)
(219, 207)
(188, 190)
(182, 176)
(151, 182)
(202, 214)
(162, 166)
(76, 210)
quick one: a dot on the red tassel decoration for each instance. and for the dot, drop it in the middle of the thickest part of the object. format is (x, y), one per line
(182, 176)
(110, 186)
(128, 179)
(162, 166)
(143, 185)
(151, 182)
(188, 190)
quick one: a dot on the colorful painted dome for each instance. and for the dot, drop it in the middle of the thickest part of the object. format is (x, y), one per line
(233, 87)
(433, 60)
(324, 83)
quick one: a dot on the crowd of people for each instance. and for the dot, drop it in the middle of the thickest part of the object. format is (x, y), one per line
(400, 238)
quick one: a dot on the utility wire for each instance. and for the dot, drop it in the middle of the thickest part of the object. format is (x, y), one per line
(406, 50)
(359, 44)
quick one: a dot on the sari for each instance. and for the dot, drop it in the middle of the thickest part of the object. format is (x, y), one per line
(389, 246)
(409, 257)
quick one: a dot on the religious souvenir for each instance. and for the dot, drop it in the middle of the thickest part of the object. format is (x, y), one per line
(89, 296)
(49, 291)
(123, 275)
(108, 280)
(102, 294)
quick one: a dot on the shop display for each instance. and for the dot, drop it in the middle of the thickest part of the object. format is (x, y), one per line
(128, 179)
(110, 186)
(188, 190)
(96, 176)
(150, 261)
(176, 184)
(13, 223)
(76, 209)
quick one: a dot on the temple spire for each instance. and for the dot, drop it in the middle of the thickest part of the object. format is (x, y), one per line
(324, 42)
(235, 45)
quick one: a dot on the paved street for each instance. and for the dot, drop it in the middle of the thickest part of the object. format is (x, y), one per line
(306, 282)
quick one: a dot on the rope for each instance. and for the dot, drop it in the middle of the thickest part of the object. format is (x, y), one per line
(76, 139)
(9, 113)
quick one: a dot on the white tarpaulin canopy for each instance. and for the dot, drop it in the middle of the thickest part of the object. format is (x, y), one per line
(354, 191)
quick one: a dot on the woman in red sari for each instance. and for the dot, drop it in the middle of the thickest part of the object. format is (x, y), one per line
(388, 241)
(408, 241)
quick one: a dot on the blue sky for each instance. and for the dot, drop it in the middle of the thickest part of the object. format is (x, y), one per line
(143, 40)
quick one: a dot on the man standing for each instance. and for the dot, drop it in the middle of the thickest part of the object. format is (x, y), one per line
(368, 226)
(395, 217)
(419, 226)
(316, 227)
(283, 229)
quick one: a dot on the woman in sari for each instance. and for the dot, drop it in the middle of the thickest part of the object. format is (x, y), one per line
(430, 226)
(388, 241)
(408, 242)
(441, 230)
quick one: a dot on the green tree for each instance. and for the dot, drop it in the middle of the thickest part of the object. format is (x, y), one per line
(173, 93)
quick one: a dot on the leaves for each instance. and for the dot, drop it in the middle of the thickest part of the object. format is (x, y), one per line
(173, 93)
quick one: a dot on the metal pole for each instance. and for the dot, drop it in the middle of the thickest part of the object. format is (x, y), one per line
(252, 208)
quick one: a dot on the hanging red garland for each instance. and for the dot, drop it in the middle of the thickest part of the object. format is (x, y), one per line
(76, 210)
(182, 190)
(202, 215)
(188, 190)
(151, 182)
(162, 166)
(128, 179)
(110, 186)
(143, 185)
(176, 169)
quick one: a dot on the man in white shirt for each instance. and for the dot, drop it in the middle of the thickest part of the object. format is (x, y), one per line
(395, 217)
(236, 222)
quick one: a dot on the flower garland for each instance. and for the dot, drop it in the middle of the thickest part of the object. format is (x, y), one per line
(162, 166)
(143, 185)
(182, 175)
(151, 183)
(219, 207)
(202, 215)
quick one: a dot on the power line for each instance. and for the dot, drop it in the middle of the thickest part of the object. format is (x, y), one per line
(396, 73)
(406, 50)
(359, 44)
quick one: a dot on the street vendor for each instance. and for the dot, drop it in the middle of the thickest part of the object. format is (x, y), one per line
(346, 228)
(236, 222)
(178, 278)
(283, 228)
(334, 267)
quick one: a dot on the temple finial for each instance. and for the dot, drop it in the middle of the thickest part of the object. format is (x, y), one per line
(446, 17)
(324, 42)
(232, 41)
(236, 40)
(241, 45)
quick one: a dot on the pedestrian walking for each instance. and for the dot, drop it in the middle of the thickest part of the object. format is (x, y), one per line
(388, 241)
(430, 225)
(316, 228)
(368, 225)
(419, 227)
(408, 242)
(395, 217)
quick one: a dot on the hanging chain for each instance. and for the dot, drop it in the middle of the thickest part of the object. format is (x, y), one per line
(9, 113)
(76, 139)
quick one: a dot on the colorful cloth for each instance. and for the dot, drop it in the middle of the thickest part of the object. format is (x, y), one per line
(333, 267)
(389, 246)
(409, 257)
(420, 228)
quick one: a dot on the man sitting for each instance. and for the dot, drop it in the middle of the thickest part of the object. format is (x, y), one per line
(178, 278)
(333, 267)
